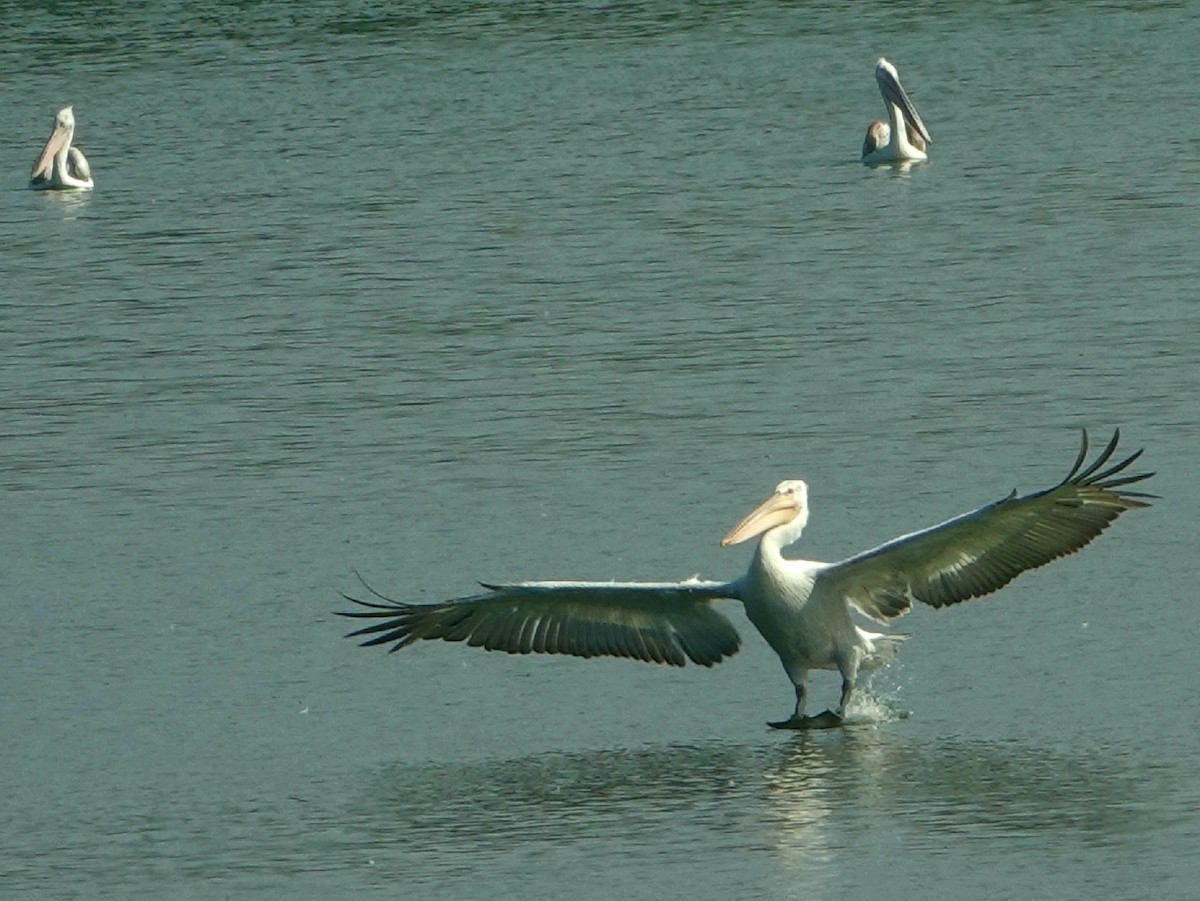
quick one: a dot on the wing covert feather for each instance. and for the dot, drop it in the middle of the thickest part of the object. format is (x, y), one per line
(659, 622)
(982, 551)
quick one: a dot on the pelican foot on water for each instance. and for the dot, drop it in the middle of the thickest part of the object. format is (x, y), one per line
(826, 720)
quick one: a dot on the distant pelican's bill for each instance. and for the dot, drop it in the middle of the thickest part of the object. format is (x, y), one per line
(60, 166)
(904, 137)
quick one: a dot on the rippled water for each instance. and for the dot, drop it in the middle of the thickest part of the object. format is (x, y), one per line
(449, 291)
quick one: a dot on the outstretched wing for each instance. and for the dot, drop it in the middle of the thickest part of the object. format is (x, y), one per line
(979, 552)
(659, 622)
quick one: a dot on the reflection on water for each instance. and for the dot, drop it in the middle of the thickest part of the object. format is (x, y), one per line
(951, 788)
(799, 808)
(803, 802)
(70, 203)
(898, 168)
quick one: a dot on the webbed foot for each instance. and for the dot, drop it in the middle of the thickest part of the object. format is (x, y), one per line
(826, 720)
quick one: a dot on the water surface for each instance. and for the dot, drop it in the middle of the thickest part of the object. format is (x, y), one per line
(451, 292)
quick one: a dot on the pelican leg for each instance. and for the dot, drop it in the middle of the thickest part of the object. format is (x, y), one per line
(798, 720)
(848, 667)
(847, 690)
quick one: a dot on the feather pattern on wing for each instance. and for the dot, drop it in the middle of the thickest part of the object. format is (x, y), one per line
(659, 622)
(979, 552)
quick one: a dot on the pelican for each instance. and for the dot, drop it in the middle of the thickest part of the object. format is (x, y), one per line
(803, 608)
(60, 166)
(904, 136)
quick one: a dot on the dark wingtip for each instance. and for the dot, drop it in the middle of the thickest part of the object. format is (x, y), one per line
(1083, 449)
(367, 585)
(389, 605)
(1103, 458)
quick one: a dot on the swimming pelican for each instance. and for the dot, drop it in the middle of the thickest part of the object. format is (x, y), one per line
(60, 166)
(801, 607)
(906, 137)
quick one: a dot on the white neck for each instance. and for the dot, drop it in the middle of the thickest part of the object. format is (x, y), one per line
(771, 544)
(898, 140)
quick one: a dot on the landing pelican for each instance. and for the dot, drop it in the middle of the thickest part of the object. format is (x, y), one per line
(802, 607)
(60, 166)
(903, 136)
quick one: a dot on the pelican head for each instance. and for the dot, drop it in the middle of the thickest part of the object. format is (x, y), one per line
(60, 165)
(904, 136)
(787, 506)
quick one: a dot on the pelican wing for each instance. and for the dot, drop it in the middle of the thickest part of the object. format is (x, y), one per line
(77, 164)
(659, 622)
(878, 134)
(980, 552)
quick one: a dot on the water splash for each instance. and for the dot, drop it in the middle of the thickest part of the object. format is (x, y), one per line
(868, 708)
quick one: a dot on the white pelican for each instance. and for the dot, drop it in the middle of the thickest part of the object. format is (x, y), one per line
(802, 607)
(903, 136)
(60, 166)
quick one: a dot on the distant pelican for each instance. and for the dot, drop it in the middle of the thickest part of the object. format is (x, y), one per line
(802, 607)
(60, 166)
(903, 136)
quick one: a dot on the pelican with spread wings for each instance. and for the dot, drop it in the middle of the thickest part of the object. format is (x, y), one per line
(803, 608)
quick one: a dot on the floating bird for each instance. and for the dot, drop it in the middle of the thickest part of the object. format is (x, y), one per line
(60, 166)
(904, 136)
(803, 608)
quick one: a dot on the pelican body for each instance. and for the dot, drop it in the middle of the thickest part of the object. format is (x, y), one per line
(903, 138)
(60, 166)
(803, 608)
